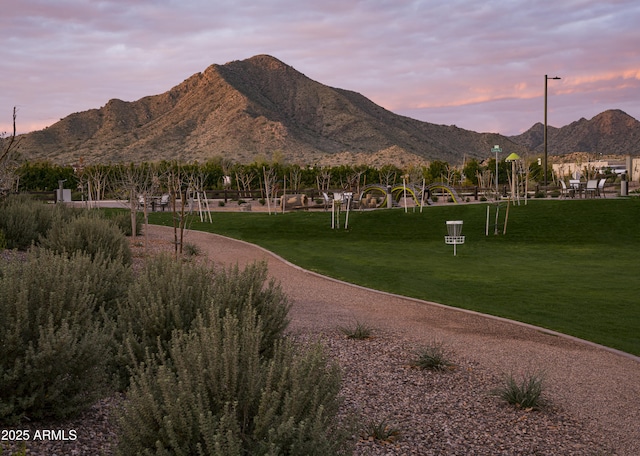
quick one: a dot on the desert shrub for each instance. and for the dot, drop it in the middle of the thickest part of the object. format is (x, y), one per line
(241, 291)
(165, 296)
(90, 234)
(212, 393)
(434, 356)
(122, 220)
(381, 431)
(24, 220)
(54, 344)
(169, 295)
(358, 331)
(524, 393)
(191, 249)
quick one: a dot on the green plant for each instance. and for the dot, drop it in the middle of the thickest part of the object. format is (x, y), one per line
(122, 219)
(24, 220)
(191, 249)
(220, 203)
(358, 331)
(380, 431)
(524, 393)
(212, 393)
(433, 357)
(54, 343)
(168, 296)
(90, 234)
(240, 291)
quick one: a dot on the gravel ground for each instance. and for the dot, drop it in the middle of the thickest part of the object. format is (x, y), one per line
(592, 392)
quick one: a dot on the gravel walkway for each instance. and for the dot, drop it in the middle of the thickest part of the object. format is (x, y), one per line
(593, 392)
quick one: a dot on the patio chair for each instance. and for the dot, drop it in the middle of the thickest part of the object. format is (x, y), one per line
(566, 191)
(591, 190)
(164, 201)
(601, 183)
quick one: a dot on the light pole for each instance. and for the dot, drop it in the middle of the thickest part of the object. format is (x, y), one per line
(544, 170)
(496, 149)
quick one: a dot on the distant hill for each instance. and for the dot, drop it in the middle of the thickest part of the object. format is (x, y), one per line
(612, 132)
(250, 109)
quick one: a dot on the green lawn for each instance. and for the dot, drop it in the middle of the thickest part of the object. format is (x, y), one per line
(571, 266)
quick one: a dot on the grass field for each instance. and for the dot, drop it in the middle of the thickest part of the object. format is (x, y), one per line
(571, 266)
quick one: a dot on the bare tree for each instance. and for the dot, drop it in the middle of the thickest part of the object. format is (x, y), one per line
(178, 179)
(295, 178)
(244, 179)
(387, 176)
(8, 158)
(137, 183)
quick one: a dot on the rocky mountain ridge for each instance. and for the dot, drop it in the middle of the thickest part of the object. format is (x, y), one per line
(254, 108)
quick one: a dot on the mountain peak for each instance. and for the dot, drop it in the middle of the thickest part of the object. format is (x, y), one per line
(251, 108)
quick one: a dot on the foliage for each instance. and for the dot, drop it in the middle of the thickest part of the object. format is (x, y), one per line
(525, 393)
(191, 249)
(44, 176)
(54, 345)
(212, 393)
(25, 220)
(381, 431)
(471, 170)
(90, 234)
(433, 357)
(169, 296)
(358, 331)
(241, 291)
(122, 220)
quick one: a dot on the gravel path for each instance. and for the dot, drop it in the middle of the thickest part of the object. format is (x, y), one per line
(593, 392)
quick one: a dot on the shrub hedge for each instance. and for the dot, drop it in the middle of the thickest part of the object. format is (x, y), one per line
(54, 343)
(212, 393)
(90, 234)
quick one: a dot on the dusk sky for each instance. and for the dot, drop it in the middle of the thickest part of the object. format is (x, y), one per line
(477, 65)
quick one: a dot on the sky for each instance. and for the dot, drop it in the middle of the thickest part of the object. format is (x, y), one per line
(478, 65)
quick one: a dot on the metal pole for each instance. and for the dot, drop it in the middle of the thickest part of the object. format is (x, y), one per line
(546, 78)
(544, 170)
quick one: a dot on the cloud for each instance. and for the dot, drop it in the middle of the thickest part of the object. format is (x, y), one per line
(479, 65)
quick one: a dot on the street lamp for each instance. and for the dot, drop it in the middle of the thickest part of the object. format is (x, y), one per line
(496, 149)
(544, 170)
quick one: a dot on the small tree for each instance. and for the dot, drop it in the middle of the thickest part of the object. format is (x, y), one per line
(8, 158)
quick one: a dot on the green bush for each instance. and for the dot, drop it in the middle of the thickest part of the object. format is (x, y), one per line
(54, 343)
(169, 295)
(90, 234)
(358, 331)
(434, 356)
(526, 393)
(122, 219)
(166, 296)
(212, 393)
(24, 220)
(241, 291)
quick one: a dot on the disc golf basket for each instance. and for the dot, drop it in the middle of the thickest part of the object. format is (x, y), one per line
(454, 231)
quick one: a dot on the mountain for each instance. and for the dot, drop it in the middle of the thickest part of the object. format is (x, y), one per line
(612, 132)
(250, 109)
